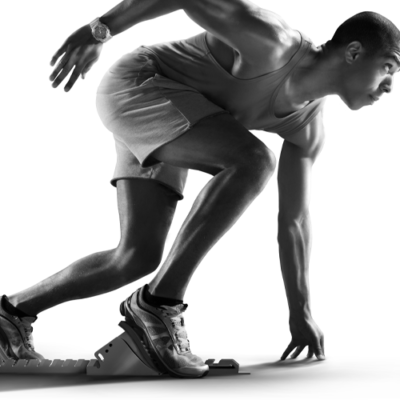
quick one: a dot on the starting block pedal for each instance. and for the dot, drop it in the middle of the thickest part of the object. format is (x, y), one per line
(123, 356)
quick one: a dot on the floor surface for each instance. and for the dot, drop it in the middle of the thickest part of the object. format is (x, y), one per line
(335, 378)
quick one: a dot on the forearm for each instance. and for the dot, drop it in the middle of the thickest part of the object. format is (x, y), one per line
(233, 21)
(131, 12)
(294, 239)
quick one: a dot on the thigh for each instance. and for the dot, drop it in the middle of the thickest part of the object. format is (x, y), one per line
(211, 145)
(146, 209)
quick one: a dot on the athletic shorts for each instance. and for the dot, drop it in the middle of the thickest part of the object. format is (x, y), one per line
(145, 110)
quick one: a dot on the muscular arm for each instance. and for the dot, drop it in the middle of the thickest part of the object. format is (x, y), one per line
(236, 22)
(299, 152)
(131, 12)
(258, 35)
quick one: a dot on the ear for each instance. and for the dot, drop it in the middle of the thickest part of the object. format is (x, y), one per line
(353, 51)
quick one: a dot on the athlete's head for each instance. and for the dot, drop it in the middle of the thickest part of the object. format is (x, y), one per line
(370, 45)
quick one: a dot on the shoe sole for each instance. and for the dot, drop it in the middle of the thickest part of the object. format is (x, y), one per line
(147, 344)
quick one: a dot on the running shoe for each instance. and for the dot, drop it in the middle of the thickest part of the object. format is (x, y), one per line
(164, 336)
(16, 338)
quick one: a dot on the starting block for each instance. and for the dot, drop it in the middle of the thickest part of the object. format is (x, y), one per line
(126, 355)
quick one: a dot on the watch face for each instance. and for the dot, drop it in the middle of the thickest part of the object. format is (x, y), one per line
(100, 32)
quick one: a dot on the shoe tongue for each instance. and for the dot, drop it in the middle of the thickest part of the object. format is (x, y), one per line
(178, 309)
(182, 307)
(28, 320)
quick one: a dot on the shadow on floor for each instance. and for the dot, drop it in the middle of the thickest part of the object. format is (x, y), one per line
(289, 363)
(11, 382)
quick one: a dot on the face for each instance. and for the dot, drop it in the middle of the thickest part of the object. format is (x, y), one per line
(367, 78)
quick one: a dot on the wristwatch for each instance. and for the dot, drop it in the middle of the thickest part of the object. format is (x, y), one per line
(100, 31)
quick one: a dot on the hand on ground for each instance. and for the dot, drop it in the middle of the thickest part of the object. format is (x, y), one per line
(79, 52)
(305, 332)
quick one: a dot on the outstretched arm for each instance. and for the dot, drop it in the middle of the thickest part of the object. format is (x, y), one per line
(80, 51)
(253, 32)
(298, 154)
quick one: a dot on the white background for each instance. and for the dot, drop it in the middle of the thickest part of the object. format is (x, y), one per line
(57, 206)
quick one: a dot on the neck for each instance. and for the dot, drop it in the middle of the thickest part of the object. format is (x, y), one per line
(318, 75)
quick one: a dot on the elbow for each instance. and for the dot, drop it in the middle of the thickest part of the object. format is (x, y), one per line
(181, 4)
(296, 218)
(292, 226)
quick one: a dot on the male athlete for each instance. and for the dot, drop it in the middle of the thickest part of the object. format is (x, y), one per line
(190, 105)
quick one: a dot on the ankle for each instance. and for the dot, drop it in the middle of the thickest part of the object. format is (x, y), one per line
(158, 300)
(14, 309)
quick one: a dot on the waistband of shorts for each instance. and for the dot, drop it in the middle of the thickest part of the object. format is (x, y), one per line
(144, 51)
(135, 62)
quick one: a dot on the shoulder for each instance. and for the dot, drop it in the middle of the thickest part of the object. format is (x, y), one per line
(273, 42)
(286, 46)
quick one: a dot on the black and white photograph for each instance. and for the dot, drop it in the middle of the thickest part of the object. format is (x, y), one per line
(200, 199)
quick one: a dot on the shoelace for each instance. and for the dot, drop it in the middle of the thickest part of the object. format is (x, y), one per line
(178, 323)
(29, 338)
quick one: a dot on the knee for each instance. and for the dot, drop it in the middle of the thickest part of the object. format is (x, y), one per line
(136, 262)
(259, 162)
(264, 160)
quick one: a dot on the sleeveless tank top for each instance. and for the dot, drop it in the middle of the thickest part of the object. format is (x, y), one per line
(250, 101)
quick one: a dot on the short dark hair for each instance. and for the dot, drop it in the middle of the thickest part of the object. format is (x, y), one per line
(375, 32)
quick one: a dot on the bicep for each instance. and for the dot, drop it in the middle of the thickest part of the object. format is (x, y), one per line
(309, 140)
(242, 25)
(298, 154)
